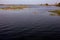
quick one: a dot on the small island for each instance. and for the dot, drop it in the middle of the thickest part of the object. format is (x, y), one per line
(56, 12)
(13, 7)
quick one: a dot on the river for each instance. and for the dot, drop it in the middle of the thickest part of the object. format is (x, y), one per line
(30, 23)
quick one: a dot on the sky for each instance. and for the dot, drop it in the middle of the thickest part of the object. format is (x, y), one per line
(28, 1)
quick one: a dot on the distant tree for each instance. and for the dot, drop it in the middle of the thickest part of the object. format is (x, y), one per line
(46, 4)
(58, 4)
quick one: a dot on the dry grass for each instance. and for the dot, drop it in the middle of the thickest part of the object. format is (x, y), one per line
(56, 12)
(13, 7)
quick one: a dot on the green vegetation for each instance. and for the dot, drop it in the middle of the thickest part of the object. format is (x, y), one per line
(57, 12)
(13, 7)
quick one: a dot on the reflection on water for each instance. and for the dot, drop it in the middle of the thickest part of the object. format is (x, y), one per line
(29, 23)
(35, 12)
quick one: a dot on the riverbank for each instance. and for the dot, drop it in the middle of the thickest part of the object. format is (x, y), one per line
(13, 8)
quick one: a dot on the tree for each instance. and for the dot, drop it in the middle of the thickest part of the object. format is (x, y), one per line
(46, 4)
(58, 4)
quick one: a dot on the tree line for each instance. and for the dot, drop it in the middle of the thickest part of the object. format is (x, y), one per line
(58, 4)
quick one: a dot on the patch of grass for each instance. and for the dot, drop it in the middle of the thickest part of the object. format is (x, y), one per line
(13, 8)
(55, 11)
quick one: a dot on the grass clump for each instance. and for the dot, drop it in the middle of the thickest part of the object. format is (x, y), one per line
(56, 12)
(13, 7)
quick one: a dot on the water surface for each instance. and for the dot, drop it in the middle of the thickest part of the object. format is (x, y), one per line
(34, 22)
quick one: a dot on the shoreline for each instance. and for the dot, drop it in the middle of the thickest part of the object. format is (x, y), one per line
(13, 8)
(55, 12)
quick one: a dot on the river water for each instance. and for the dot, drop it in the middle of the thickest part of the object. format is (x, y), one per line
(30, 23)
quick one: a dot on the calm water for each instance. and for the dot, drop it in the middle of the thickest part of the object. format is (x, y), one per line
(30, 23)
